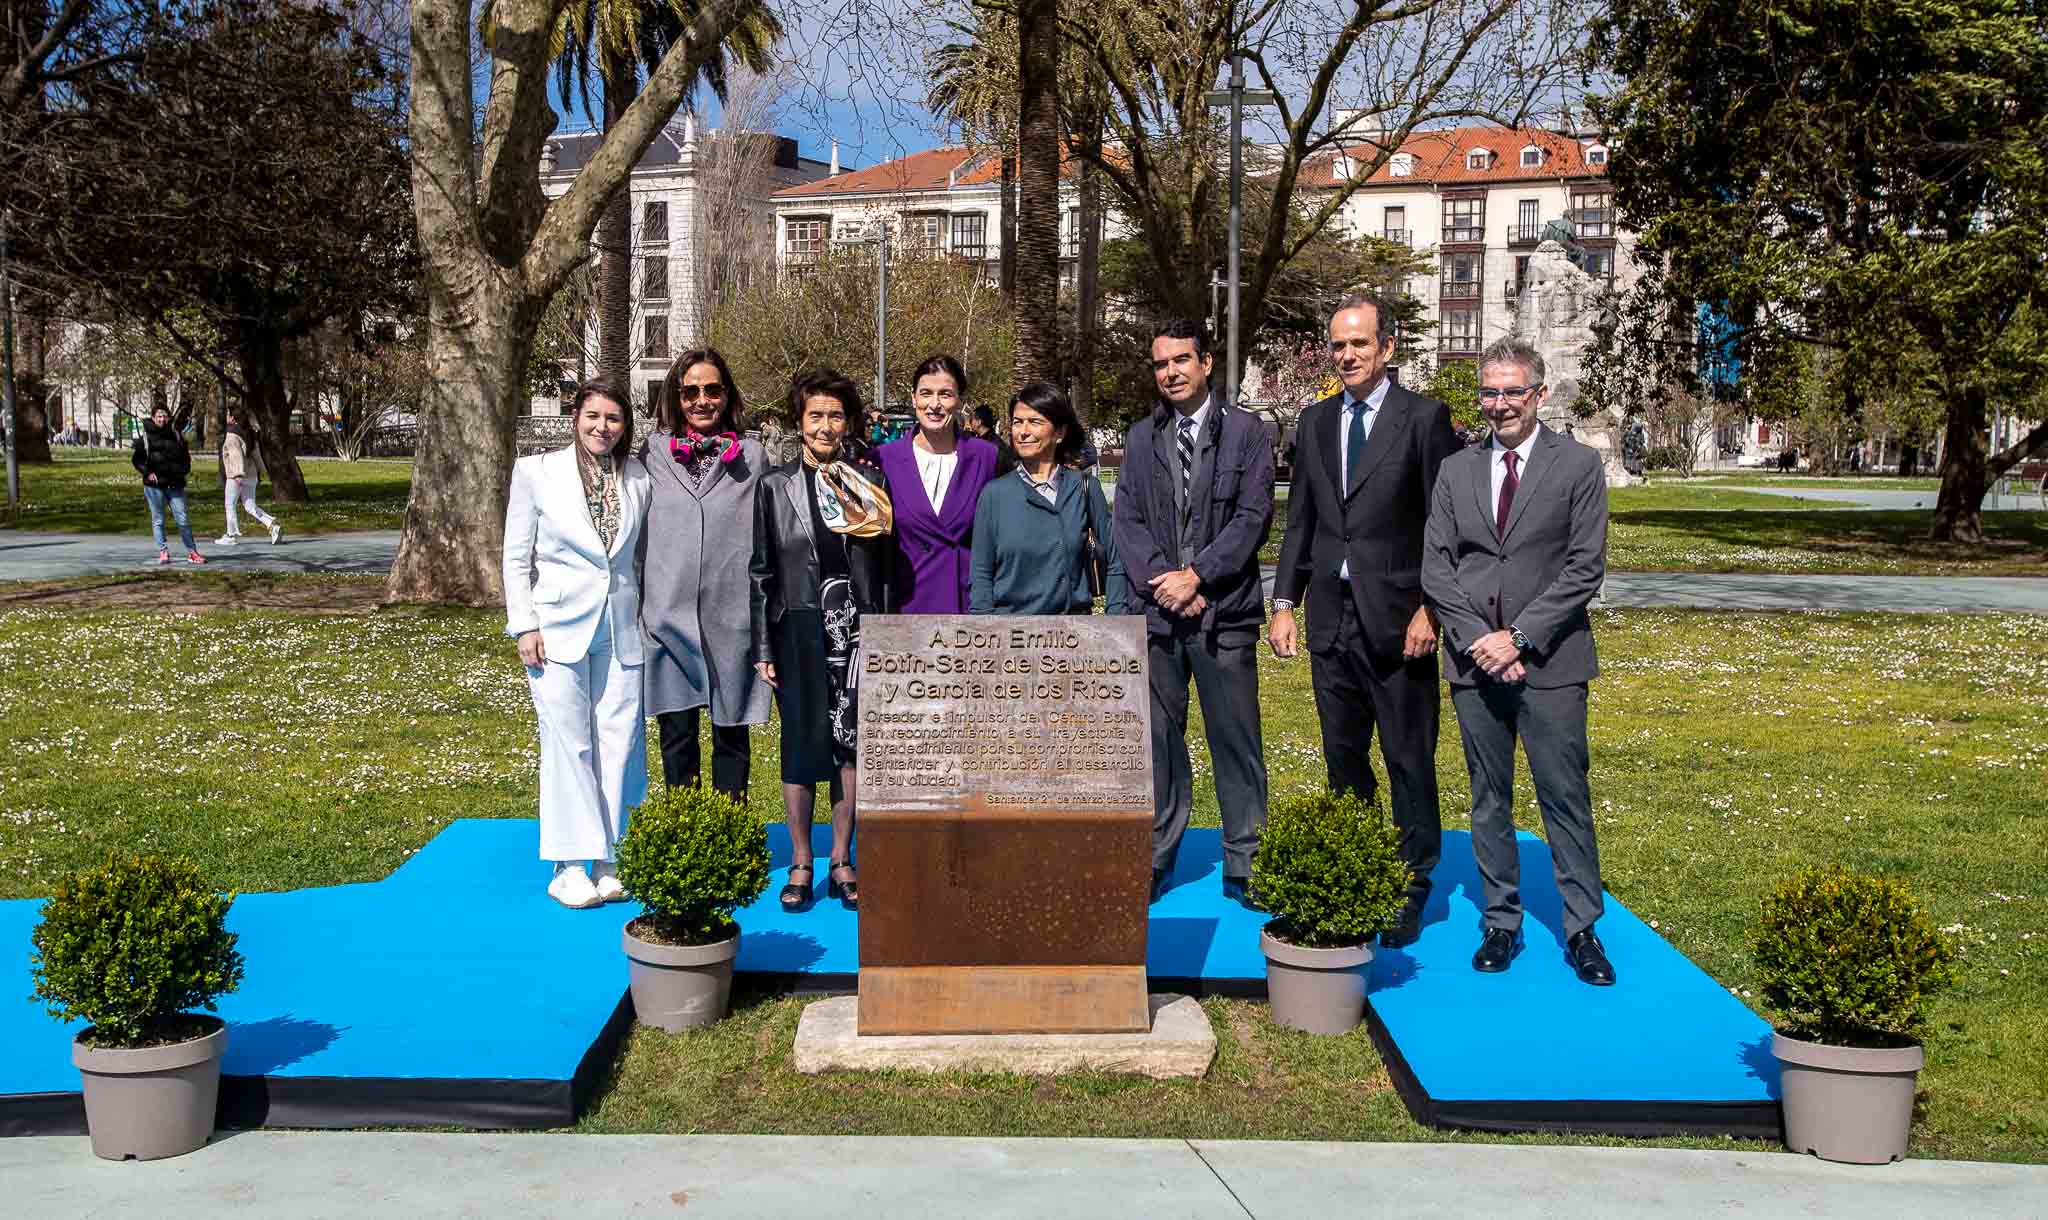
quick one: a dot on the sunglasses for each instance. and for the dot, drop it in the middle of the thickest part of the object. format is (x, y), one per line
(710, 393)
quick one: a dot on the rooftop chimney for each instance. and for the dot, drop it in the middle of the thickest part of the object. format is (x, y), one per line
(835, 157)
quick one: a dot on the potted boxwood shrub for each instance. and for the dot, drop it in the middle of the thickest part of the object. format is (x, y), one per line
(692, 857)
(1847, 964)
(131, 946)
(1329, 873)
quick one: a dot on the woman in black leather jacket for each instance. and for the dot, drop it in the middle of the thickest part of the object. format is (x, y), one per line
(822, 556)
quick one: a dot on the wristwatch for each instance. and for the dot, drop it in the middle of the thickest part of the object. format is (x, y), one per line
(1521, 641)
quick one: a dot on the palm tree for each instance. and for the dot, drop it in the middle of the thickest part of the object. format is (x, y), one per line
(974, 84)
(1038, 189)
(618, 38)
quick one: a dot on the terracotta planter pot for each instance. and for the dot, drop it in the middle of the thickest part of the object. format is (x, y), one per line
(152, 1102)
(1318, 990)
(1847, 1103)
(676, 987)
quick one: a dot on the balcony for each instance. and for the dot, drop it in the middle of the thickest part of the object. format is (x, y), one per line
(1524, 235)
(1400, 237)
(1464, 233)
(1457, 345)
(1593, 224)
(1460, 290)
(978, 252)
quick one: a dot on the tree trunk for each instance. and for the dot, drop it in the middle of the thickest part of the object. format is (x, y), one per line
(454, 539)
(1006, 232)
(1038, 187)
(261, 357)
(1087, 307)
(31, 419)
(614, 242)
(1958, 515)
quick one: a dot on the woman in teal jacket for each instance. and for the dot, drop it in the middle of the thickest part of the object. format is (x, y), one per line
(1042, 525)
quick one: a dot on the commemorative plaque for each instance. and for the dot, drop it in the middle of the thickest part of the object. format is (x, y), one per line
(1005, 799)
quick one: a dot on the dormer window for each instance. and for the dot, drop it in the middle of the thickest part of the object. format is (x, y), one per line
(1402, 165)
(1532, 157)
(1478, 158)
(1596, 155)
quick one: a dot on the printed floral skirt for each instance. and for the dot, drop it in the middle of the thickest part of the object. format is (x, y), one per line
(816, 680)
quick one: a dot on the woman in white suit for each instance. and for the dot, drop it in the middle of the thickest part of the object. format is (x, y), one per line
(572, 601)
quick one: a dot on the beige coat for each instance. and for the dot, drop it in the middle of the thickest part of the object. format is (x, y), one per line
(234, 457)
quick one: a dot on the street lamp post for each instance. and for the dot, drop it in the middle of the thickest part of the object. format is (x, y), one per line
(1236, 97)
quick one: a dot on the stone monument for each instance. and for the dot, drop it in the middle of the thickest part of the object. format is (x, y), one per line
(1555, 314)
(1005, 797)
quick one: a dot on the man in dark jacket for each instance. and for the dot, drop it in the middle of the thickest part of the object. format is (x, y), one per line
(1193, 502)
(161, 457)
(1356, 511)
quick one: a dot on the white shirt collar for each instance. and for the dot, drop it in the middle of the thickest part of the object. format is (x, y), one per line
(1521, 451)
(1200, 417)
(1374, 400)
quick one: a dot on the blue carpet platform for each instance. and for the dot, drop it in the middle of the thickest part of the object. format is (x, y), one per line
(456, 993)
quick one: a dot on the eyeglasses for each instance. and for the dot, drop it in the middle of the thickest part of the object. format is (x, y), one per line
(1515, 393)
(712, 392)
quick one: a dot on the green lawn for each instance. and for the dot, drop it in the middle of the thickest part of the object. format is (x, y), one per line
(289, 749)
(103, 495)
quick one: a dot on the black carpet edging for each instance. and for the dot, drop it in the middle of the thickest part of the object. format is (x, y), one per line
(1633, 1119)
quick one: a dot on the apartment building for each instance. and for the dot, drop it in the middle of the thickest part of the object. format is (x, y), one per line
(1477, 201)
(671, 194)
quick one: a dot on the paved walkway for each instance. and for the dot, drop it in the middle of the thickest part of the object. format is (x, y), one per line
(312, 1174)
(1852, 497)
(36, 556)
(33, 556)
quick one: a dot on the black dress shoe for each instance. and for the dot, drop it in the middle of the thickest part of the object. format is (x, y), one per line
(1589, 958)
(1406, 930)
(1240, 888)
(1497, 950)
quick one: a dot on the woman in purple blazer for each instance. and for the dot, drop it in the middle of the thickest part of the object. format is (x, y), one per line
(936, 477)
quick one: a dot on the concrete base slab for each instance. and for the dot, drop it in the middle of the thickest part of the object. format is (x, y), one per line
(1180, 1043)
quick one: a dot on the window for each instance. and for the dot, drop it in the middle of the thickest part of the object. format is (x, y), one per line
(1532, 157)
(654, 277)
(1396, 225)
(654, 337)
(1070, 233)
(1478, 158)
(1460, 276)
(970, 235)
(653, 222)
(1463, 219)
(923, 234)
(1521, 276)
(1596, 155)
(1600, 260)
(1460, 332)
(1402, 165)
(1593, 211)
(1527, 225)
(654, 398)
(803, 240)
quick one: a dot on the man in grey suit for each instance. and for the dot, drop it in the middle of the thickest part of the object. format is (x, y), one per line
(1515, 551)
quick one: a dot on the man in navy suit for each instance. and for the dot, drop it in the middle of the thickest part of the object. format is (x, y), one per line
(1363, 475)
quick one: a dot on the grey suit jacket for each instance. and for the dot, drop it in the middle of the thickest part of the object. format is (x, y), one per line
(1540, 576)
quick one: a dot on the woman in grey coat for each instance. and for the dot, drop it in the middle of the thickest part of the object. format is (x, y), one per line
(694, 589)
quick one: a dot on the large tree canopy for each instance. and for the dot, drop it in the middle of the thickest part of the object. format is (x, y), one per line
(1869, 176)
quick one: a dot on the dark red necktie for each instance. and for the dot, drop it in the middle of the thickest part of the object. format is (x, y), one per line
(1507, 494)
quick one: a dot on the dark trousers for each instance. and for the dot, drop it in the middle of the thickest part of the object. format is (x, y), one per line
(1357, 691)
(1225, 669)
(682, 761)
(1551, 724)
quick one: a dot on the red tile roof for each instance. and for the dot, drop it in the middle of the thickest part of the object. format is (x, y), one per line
(1440, 158)
(931, 170)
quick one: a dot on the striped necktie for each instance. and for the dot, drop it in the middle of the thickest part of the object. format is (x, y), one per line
(1186, 445)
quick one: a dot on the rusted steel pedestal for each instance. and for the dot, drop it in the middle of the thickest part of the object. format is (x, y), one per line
(1005, 824)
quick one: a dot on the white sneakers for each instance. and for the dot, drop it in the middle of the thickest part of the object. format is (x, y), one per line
(276, 532)
(228, 540)
(608, 887)
(573, 887)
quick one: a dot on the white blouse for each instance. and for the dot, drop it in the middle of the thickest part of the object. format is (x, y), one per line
(935, 471)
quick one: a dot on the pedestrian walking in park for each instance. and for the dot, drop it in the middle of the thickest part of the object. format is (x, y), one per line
(1353, 550)
(694, 593)
(1043, 542)
(161, 457)
(822, 559)
(1192, 506)
(935, 527)
(1516, 551)
(240, 487)
(572, 601)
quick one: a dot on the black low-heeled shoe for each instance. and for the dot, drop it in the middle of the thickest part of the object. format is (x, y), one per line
(798, 897)
(847, 891)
